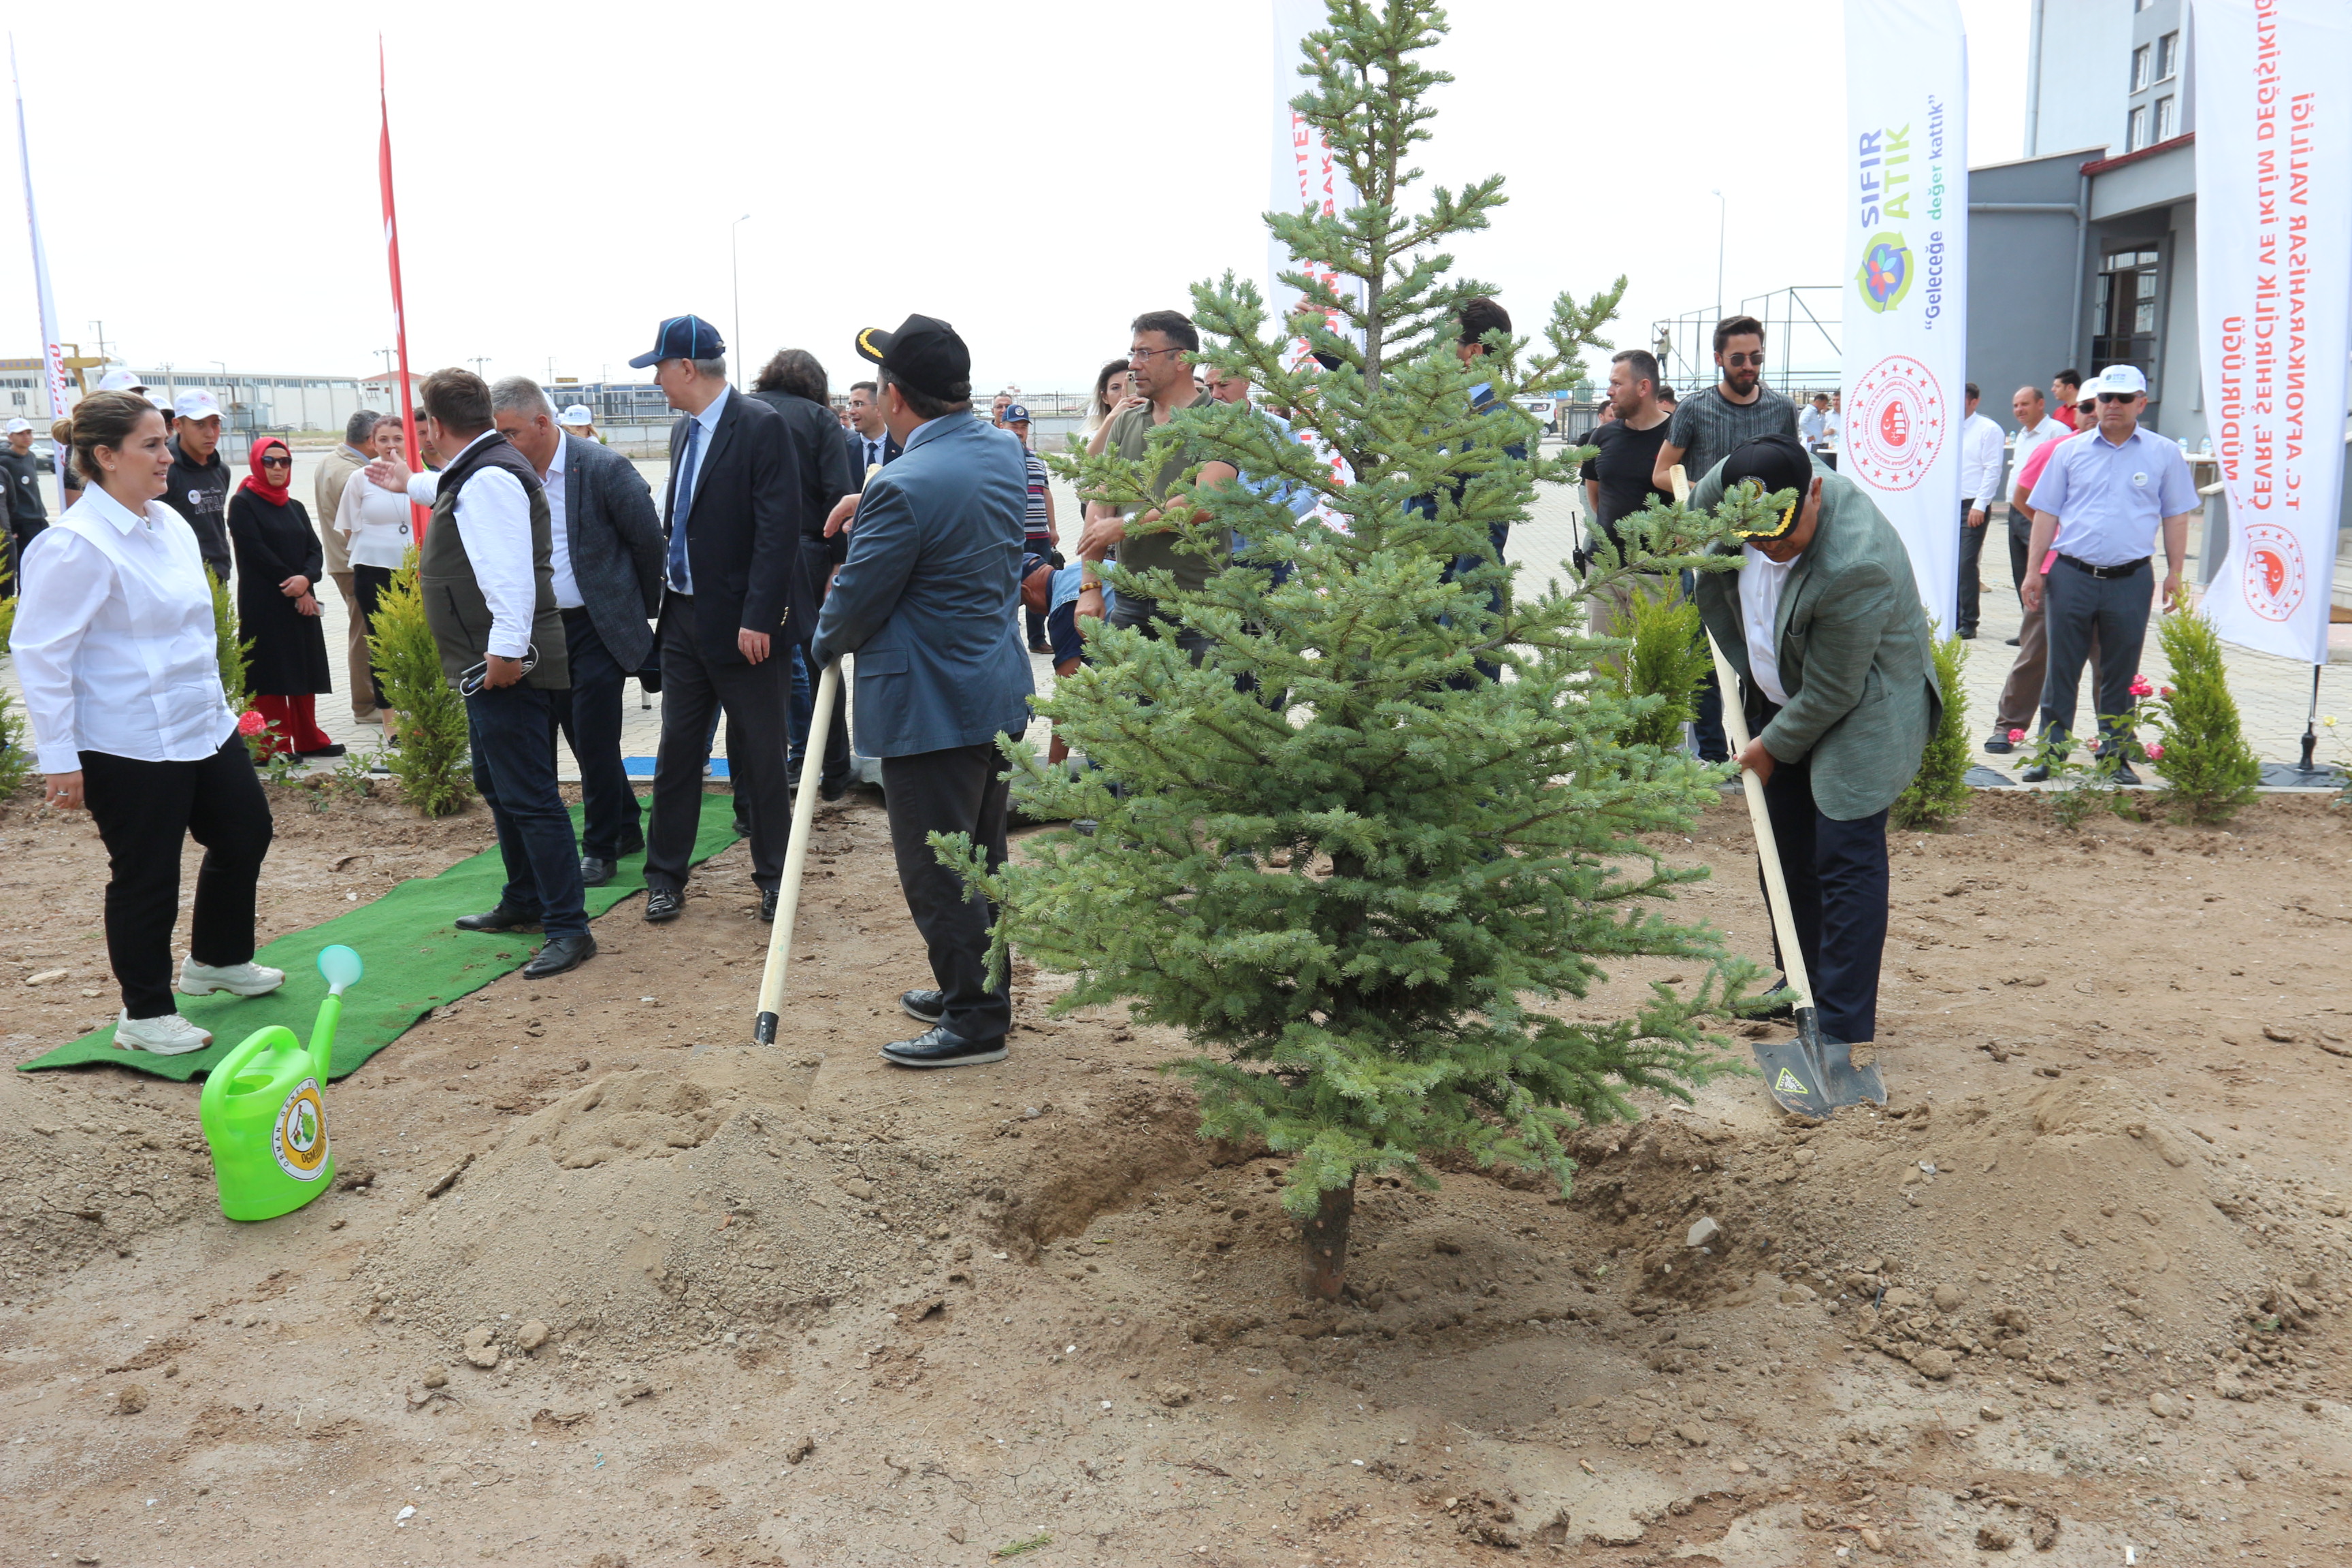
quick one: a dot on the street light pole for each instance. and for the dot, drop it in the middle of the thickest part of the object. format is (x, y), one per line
(735, 272)
(1722, 211)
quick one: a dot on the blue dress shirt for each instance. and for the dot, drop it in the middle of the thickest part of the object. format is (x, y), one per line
(2111, 499)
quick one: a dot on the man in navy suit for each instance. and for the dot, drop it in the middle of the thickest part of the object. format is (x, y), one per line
(732, 512)
(869, 439)
(925, 602)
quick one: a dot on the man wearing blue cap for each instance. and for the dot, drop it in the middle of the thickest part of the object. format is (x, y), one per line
(731, 514)
(923, 601)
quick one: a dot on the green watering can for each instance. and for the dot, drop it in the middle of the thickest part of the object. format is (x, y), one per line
(263, 1110)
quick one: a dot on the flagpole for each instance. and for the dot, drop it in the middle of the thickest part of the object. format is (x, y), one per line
(53, 353)
(392, 260)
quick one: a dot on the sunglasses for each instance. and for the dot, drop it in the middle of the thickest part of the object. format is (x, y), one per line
(2117, 396)
(1739, 361)
(276, 462)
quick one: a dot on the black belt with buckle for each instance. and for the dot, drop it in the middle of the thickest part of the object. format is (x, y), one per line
(2105, 571)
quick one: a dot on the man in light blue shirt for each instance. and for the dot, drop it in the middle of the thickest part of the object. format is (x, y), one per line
(2102, 499)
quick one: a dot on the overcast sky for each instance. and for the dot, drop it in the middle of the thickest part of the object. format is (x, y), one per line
(1036, 175)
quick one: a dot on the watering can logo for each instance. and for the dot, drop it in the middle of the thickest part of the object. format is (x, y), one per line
(300, 1138)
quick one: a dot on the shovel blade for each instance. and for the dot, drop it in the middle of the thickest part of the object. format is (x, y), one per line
(1814, 1075)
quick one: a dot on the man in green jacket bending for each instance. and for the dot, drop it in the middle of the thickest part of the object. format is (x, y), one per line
(1824, 626)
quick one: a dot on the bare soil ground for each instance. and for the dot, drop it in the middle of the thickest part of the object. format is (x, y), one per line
(600, 1286)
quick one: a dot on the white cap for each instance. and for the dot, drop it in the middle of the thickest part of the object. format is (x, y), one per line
(197, 406)
(577, 414)
(16, 425)
(2124, 378)
(120, 381)
(161, 400)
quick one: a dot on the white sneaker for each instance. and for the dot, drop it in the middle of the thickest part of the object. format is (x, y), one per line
(245, 979)
(169, 1036)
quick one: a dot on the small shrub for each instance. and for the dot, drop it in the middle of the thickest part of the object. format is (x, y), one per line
(430, 760)
(1668, 660)
(2210, 771)
(1939, 791)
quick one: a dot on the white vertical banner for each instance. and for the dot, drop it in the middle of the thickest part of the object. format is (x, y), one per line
(1906, 257)
(2273, 83)
(53, 353)
(1302, 172)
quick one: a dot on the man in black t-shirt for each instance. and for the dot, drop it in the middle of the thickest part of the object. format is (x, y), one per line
(1618, 479)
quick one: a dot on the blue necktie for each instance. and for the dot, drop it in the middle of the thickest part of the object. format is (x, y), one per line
(681, 578)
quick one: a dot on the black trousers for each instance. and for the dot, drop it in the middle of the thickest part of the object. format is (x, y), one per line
(963, 789)
(695, 692)
(368, 585)
(1837, 877)
(512, 730)
(2078, 610)
(2018, 546)
(1972, 542)
(589, 718)
(142, 811)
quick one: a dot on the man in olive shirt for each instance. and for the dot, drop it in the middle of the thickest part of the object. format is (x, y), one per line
(1161, 373)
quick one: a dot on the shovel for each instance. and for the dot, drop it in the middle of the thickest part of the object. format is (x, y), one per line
(1813, 1075)
(779, 936)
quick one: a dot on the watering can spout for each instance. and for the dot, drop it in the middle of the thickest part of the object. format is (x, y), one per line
(341, 967)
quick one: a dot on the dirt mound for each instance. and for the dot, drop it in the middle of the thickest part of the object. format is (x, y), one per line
(2071, 1229)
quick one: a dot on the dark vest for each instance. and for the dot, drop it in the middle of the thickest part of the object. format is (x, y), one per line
(454, 606)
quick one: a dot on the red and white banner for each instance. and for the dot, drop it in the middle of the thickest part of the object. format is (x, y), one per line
(53, 353)
(1904, 353)
(392, 260)
(2274, 85)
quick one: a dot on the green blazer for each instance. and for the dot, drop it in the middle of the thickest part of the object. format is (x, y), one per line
(1854, 652)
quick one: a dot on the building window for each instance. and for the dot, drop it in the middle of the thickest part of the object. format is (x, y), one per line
(2143, 4)
(2166, 119)
(2167, 56)
(2136, 135)
(2126, 323)
(2140, 77)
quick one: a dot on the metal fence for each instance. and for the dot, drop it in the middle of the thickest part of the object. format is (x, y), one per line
(1800, 340)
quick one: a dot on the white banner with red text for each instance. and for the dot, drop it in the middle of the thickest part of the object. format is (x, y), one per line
(2274, 85)
(1906, 331)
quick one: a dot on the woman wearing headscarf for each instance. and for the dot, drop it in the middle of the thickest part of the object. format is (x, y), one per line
(115, 648)
(278, 563)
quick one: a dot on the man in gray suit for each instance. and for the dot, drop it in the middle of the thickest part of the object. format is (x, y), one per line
(607, 562)
(1824, 623)
(925, 601)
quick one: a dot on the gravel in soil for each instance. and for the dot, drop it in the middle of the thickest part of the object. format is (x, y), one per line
(601, 1284)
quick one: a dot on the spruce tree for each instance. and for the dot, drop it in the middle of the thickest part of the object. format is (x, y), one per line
(1363, 877)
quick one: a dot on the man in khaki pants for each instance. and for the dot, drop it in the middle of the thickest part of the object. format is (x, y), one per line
(333, 474)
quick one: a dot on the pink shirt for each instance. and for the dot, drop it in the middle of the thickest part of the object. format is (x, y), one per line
(2028, 474)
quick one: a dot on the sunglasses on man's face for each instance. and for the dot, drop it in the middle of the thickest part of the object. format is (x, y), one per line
(2117, 396)
(1740, 361)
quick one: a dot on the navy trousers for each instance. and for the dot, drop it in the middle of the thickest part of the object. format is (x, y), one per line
(1837, 877)
(514, 769)
(589, 715)
(963, 789)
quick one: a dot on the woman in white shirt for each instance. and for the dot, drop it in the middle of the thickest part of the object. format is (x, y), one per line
(376, 523)
(116, 652)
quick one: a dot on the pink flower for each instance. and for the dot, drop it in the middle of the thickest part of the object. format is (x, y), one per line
(251, 723)
(2015, 736)
(2141, 687)
(2155, 750)
(2165, 692)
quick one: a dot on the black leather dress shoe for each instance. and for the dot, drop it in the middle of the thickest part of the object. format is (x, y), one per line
(923, 1006)
(505, 916)
(595, 871)
(2000, 744)
(935, 1048)
(664, 904)
(768, 905)
(633, 845)
(561, 954)
(331, 749)
(2038, 773)
(2125, 774)
(1782, 1003)
(828, 791)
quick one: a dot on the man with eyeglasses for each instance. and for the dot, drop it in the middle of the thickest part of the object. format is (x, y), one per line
(2111, 489)
(1162, 374)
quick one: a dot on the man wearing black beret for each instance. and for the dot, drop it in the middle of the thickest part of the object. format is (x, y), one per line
(1824, 623)
(924, 601)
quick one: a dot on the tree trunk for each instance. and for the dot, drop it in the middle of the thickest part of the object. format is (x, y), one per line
(1323, 1271)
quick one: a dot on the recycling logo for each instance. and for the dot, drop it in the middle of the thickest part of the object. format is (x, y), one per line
(300, 1138)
